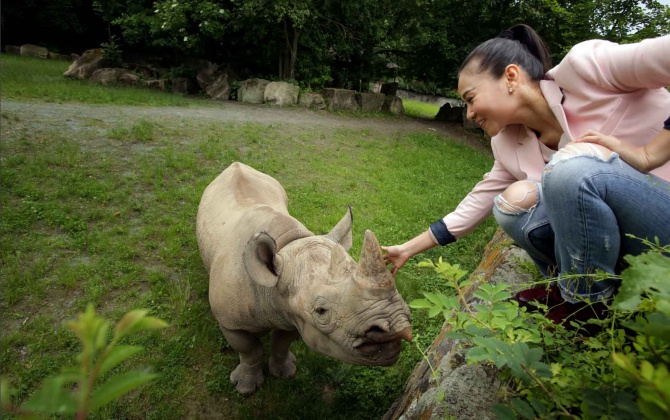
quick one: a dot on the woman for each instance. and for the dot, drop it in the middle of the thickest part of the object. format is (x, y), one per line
(568, 204)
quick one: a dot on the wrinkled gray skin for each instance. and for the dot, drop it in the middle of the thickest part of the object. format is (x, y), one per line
(268, 273)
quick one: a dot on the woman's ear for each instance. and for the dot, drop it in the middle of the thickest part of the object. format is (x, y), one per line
(512, 74)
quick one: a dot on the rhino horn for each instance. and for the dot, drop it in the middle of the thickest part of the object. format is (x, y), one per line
(341, 233)
(371, 268)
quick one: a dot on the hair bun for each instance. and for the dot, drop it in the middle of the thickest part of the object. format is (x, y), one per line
(506, 34)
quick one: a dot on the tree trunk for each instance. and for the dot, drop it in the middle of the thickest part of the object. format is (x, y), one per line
(288, 54)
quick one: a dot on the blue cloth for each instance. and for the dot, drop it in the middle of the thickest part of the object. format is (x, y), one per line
(441, 233)
(586, 206)
(666, 124)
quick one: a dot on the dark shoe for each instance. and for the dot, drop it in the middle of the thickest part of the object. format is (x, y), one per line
(550, 296)
(566, 312)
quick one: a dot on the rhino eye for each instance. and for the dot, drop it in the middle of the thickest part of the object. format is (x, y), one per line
(320, 310)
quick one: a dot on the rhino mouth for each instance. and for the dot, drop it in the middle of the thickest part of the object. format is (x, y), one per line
(382, 352)
(380, 346)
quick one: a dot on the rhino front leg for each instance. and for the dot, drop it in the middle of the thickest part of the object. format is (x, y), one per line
(248, 375)
(282, 361)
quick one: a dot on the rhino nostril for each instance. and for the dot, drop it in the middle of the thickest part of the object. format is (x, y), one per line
(375, 332)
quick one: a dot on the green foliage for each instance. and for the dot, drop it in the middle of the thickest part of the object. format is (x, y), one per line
(112, 52)
(620, 372)
(99, 355)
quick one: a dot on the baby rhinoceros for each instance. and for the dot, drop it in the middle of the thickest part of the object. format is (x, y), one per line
(269, 274)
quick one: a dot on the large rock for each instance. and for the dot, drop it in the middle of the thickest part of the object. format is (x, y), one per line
(462, 391)
(86, 64)
(182, 86)
(393, 105)
(311, 100)
(214, 82)
(13, 49)
(54, 56)
(158, 84)
(370, 102)
(252, 91)
(450, 112)
(389, 88)
(29, 50)
(110, 76)
(130, 79)
(281, 93)
(340, 99)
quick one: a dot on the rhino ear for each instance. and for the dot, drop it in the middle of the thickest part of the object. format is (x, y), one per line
(261, 261)
(341, 233)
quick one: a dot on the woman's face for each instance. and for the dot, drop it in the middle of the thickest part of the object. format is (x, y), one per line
(488, 100)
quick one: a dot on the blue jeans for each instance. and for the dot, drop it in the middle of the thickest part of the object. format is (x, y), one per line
(586, 207)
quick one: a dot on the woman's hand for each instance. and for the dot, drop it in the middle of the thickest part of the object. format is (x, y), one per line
(634, 156)
(396, 256)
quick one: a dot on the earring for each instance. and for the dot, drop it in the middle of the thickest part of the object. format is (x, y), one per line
(511, 90)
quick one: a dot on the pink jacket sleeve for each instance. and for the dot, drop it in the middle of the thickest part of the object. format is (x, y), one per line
(617, 67)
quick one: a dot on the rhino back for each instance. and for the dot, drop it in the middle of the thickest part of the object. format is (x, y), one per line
(238, 204)
(236, 194)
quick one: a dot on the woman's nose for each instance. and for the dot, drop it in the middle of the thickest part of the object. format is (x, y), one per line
(469, 114)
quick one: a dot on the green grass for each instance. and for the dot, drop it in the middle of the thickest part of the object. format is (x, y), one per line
(417, 109)
(36, 79)
(104, 213)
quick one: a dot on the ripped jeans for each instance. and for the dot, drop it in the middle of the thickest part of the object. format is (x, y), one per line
(577, 219)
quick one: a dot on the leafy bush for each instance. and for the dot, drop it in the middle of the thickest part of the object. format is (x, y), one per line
(98, 357)
(112, 52)
(620, 372)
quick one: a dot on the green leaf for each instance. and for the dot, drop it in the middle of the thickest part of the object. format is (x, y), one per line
(501, 295)
(420, 304)
(102, 336)
(656, 325)
(523, 408)
(52, 398)
(503, 412)
(135, 321)
(647, 273)
(117, 355)
(538, 406)
(433, 297)
(483, 295)
(478, 354)
(117, 386)
(434, 311)
(449, 302)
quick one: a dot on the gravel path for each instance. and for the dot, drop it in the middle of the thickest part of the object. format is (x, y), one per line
(229, 111)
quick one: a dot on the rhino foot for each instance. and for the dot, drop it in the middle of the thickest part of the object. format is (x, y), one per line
(247, 378)
(286, 369)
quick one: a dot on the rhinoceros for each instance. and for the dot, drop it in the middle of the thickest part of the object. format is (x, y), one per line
(269, 274)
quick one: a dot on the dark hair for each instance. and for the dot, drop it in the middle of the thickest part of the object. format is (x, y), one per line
(519, 45)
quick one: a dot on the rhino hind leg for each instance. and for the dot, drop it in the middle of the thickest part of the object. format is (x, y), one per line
(282, 361)
(248, 375)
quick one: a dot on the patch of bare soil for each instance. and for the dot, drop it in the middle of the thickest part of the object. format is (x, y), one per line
(231, 111)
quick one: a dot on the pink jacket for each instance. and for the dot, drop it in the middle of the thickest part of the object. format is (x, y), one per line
(611, 88)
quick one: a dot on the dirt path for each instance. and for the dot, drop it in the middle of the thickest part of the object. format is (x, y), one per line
(229, 111)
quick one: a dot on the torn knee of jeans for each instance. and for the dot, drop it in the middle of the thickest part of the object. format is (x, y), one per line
(518, 198)
(580, 149)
